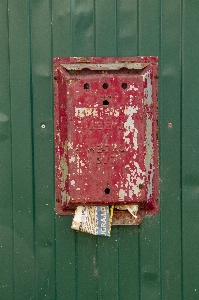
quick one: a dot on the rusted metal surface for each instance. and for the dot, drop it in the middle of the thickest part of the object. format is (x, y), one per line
(106, 132)
(125, 218)
(62, 212)
(105, 67)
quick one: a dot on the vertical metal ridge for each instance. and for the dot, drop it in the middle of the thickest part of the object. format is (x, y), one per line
(181, 179)
(118, 247)
(116, 27)
(97, 241)
(139, 226)
(97, 265)
(72, 25)
(138, 27)
(94, 26)
(52, 95)
(11, 148)
(118, 262)
(76, 265)
(32, 142)
(159, 97)
(72, 22)
(139, 262)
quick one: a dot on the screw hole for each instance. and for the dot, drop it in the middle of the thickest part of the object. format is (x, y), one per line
(86, 86)
(107, 191)
(105, 86)
(105, 102)
(141, 186)
(124, 85)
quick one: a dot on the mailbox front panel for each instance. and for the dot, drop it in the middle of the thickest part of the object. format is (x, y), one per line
(106, 131)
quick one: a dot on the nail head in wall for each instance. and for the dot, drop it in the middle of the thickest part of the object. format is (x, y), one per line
(170, 125)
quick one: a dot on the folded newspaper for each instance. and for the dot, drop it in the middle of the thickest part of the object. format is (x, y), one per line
(93, 219)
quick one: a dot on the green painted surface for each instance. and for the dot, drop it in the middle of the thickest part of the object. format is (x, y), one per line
(40, 256)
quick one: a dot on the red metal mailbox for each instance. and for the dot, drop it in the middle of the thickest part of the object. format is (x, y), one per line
(106, 132)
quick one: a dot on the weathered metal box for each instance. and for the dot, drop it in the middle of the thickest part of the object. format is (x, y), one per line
(106, 131)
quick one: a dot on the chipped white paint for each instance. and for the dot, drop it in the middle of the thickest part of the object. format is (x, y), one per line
(149, 163)
(63, 167)
(148, 88)
(82, 112)
(72, 159)
(69, 145)
(72, 182)
(130, 110)
(65, 197)
(134, 178)
(132, 87)
(129, 126)
(135, 139)
(149, 155)
(136, 175)
(122, 194)
(138, 169)
(131, 99)
(64, 171)
(116, 113)
(85, 112)
(79, 164)
(111, 111)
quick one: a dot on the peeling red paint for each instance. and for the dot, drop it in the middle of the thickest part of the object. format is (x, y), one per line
(106, 132)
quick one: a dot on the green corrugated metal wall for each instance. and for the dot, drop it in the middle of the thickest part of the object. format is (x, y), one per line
(40, 256)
